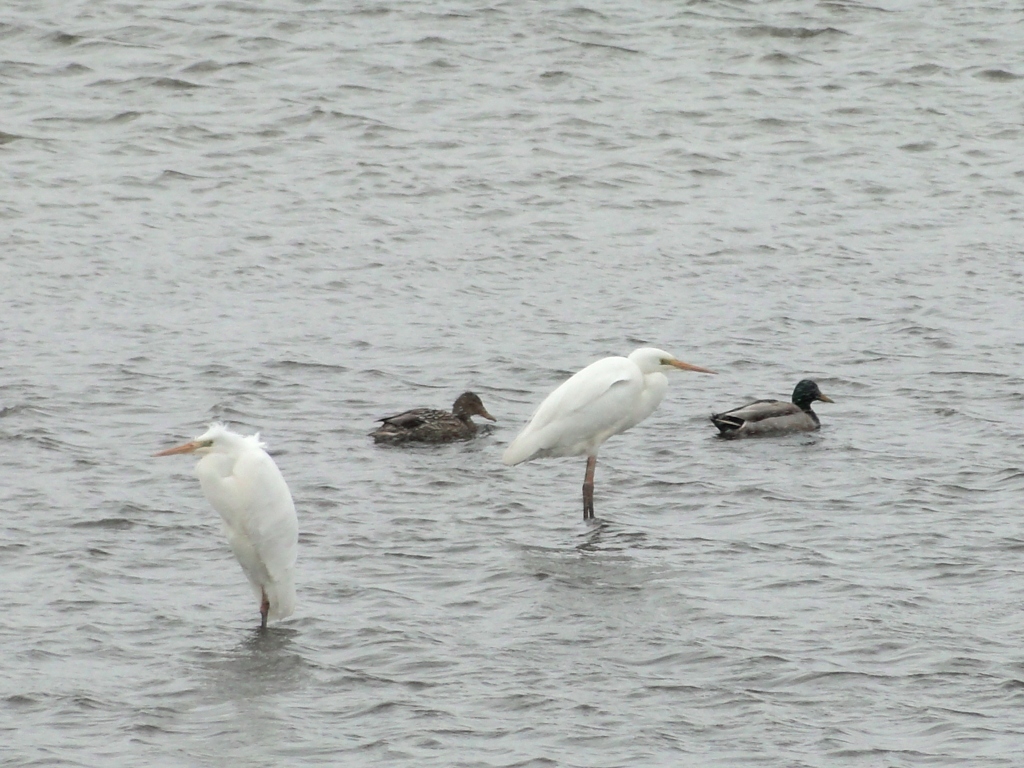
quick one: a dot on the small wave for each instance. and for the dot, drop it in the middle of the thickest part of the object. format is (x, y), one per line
(799, 33)
(998, 75)
(109, 523)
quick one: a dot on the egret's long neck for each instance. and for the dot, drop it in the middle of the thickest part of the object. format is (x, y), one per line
(655, 386)
(215, 477)
(214, 465)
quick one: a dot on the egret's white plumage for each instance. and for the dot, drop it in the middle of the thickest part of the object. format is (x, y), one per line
(604, 399)
(244, 485)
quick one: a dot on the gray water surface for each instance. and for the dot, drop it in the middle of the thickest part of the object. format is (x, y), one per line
(298, 217)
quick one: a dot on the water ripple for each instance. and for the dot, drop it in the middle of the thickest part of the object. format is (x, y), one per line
(300, 219)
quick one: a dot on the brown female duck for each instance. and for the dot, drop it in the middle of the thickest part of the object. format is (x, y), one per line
(425, 425)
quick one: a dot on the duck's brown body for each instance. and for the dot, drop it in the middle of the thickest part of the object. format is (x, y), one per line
(427, 425)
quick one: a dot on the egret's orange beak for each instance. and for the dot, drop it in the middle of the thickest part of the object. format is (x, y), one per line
(687, 367)
(186, 448)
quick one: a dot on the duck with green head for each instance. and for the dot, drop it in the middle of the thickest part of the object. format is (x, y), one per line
(773, 417)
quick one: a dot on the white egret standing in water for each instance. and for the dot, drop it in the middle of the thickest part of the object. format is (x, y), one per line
(244, 485)
(605, 398)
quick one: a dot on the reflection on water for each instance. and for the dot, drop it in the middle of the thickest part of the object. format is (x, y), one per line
(238, 713)
(265, 663)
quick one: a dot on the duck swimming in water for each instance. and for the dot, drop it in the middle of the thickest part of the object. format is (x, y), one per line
(773, 417)
(425, 425)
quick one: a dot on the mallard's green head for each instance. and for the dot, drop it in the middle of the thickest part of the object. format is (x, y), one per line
(807, 392)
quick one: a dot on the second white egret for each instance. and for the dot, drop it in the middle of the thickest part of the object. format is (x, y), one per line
(244, 485)
(604, 399)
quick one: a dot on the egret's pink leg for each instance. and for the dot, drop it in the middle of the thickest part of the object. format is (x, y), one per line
(588, 489)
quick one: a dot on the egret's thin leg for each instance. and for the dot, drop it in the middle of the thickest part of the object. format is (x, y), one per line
(588, 489)
(264, 610)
